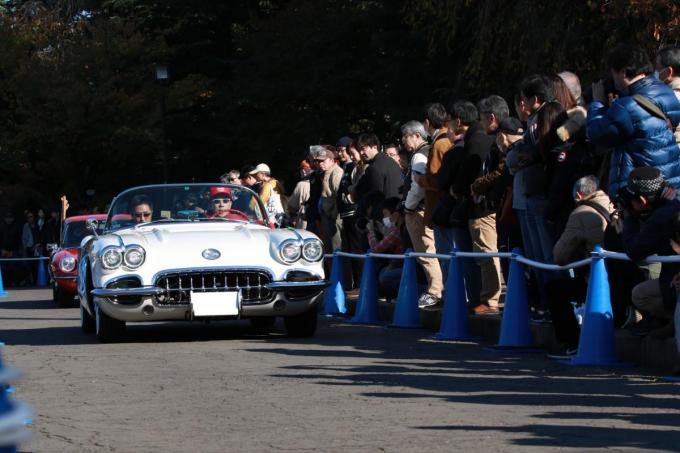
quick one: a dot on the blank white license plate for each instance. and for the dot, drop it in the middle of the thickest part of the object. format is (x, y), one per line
(225, 303)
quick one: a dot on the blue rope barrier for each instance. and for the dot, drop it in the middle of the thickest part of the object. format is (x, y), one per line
(520, 258)
(41, 258)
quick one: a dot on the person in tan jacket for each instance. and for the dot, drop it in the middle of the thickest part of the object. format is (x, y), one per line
(435, 119)
(585, 228)
(331, 225)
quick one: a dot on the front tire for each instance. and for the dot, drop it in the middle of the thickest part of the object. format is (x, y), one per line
(86, 320)
(61, 297)
(302, 325)
(263, 322)
(107, 329)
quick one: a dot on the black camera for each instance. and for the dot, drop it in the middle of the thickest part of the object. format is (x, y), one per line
(609, 88)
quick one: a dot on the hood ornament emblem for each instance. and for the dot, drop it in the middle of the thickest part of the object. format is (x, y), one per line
(211, 254)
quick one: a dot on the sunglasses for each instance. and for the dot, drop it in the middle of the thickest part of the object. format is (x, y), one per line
(232, 179)
(142, 214)
(221, 200)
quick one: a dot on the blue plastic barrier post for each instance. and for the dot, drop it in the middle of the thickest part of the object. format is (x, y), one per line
(367, 307)
(41, 281)
(455, 325)
(596, 343)
(406, 313)
(3, 293)
(515, 328)
(334, 297)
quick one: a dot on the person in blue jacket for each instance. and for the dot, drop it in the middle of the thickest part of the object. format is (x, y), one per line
(638, 135)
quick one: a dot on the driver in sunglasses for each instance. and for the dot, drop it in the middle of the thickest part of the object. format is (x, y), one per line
(142, 210)
(221, 200)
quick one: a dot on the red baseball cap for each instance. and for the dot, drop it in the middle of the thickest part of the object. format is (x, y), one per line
(219, 191)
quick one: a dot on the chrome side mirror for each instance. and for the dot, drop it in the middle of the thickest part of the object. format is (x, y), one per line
(91, 225)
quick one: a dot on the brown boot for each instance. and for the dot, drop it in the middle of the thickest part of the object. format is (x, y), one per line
(483, 309)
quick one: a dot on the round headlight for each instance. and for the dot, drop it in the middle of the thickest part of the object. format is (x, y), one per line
(67, 263)
(134, 256)
(112, 258)
(290, 251)
(312, 250)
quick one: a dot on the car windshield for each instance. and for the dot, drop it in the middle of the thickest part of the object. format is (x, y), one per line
(185, 203)
(75, 231)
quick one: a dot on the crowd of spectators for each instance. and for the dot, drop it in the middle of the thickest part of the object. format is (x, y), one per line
(26, 238)
(571, 168)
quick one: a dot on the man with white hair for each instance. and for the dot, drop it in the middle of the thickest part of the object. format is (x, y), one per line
(414, 138)
(232, 177)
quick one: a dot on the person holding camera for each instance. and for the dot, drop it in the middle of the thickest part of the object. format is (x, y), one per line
(649, 209)
(639, 124)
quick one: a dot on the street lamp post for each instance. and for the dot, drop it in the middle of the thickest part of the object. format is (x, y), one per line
(162, 77)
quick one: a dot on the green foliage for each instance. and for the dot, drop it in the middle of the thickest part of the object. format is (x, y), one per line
(254, 81)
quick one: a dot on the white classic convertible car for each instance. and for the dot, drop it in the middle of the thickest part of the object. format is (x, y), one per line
(197, 252)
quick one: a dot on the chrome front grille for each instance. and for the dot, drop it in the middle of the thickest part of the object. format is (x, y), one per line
(178, 286)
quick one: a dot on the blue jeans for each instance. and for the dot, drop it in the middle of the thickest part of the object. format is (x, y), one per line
(443, 244)
(527, 241)
(542, 237)
(447, 238)
(389, 280)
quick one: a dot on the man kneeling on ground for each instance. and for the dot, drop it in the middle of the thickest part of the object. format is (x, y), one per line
(647, 230)
(585, 229)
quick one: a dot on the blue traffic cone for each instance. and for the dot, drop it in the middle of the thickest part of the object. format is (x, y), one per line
(367, 307)
(41, 281)
(3, 293)
(13, 414)
(455, 324)
(406, 313)
(334, 297)
(596, 343)
(515, 329)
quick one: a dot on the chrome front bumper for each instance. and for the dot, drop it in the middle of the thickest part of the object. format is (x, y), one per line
(154, 290)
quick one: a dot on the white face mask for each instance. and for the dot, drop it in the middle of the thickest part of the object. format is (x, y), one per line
(387, 222)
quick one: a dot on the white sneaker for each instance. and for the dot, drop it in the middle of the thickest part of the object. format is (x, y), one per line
(428, 302)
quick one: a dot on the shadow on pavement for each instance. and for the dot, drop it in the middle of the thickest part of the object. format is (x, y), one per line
(139, 333)
(28, 305)
(432, 370)
(579, 436)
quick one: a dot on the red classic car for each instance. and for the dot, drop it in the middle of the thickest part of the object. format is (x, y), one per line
(64, 259)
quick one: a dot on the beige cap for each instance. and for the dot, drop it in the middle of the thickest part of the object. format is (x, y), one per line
(264, 168)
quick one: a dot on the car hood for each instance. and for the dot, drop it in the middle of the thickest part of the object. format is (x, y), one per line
(236, 242)
(181, 246)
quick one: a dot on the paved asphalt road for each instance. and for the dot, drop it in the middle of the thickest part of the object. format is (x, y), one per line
(222, 387)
